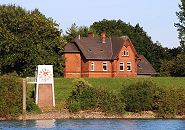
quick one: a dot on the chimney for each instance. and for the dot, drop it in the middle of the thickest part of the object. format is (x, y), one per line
(91, 34)
(103, 36)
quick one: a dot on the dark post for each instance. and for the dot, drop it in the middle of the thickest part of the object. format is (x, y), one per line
(24, 99)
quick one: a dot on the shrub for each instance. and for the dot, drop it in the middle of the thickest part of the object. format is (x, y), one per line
(31, 106)
(74, 106)
(10, 96)
(85, 97)
(81, 96)
(180, 101)
(109, 102)
(30, 103)
(138, 96)
(171, 102)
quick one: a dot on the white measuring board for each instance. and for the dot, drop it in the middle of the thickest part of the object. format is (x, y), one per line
(44, 78)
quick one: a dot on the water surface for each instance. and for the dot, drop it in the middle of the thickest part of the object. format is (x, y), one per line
(96, 124)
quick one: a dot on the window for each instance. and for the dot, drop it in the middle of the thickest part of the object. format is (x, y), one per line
(92, 66)
(125, 53)
(128, 66)
(104, 66)
(121, 66)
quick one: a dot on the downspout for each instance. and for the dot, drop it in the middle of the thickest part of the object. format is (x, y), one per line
(112, 64)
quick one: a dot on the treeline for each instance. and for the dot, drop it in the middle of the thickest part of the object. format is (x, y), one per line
(137, 97)
(29, 38)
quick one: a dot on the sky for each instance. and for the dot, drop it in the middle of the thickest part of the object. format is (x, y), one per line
(157, 17)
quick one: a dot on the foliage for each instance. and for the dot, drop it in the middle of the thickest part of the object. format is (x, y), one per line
(80, 96)
(74, 31)
(31, 106)
(154, 52)
(10, 96)
(110, 102)
(63, 86)
(174, 67)
(28, 38)
(170, 101)
(138, 96)
(85, 97)
(181, 25)
(30, 103)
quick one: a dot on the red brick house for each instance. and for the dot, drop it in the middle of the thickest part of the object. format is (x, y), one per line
(100, 57)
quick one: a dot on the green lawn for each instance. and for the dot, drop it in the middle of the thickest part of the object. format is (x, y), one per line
(63, 86)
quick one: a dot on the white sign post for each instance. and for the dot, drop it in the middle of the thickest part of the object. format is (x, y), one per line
(45, 86)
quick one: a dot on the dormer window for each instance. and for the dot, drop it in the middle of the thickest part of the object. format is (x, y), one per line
(125, 53)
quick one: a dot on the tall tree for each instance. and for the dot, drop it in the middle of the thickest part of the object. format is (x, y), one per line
(181, 25)
(174, 67)
(74, 31)
(28, 38)
(154, 52)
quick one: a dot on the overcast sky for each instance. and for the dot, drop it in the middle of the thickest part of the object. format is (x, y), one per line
(157, 17)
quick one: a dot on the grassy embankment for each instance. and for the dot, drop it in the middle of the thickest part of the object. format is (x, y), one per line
(63, 86)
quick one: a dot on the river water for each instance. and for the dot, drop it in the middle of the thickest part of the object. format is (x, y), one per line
(94, 124)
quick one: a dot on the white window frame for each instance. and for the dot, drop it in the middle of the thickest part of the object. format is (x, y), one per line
(92, 66)
(121, 64)
(129, 64)
(105, 64)
(125, 53)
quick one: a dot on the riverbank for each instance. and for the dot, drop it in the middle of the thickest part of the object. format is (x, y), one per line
(65, 114)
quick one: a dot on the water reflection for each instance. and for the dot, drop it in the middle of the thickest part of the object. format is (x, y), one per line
(45, 123)
(96, 124)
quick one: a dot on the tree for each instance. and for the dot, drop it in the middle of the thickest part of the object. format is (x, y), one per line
(174, 67)
(74, 31)
(154, 52)
(181, 25)
(28, 38)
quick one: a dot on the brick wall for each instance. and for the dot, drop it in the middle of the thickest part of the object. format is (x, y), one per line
(72, 65)
(126, 59)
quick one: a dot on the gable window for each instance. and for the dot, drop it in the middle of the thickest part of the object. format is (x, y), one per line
(129, 67)
(92, 66)
(121, 66)
(125, 53)
(104, 66)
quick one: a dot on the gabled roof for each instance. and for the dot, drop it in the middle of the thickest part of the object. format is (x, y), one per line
(93, 48)
(144, 67)
(71, 47)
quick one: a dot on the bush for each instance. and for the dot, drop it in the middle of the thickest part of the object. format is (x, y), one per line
(85, 97)
(81, 96)
(109, 102)
(171, 102)
(30, 103)
(138, 96)
(10, 96)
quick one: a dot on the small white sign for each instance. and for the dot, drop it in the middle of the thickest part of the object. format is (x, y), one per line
(45, 74)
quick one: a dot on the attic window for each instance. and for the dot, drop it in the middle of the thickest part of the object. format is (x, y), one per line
(89, 50)
(101, 50)
(125, 53)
